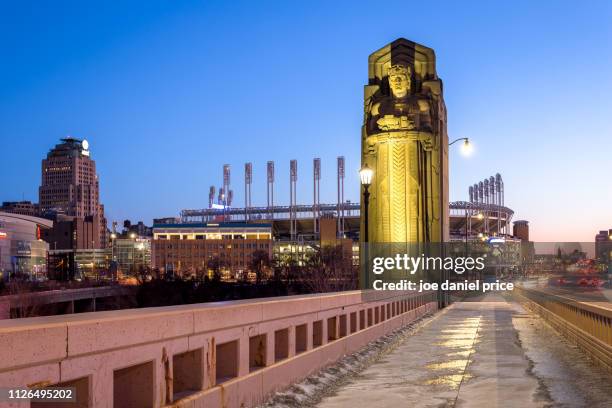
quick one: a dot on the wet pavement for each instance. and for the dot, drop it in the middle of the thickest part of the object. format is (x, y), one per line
(483, 353)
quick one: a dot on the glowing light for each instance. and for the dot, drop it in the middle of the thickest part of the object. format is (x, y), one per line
(365, 174)
(496, 240)
(467, 148)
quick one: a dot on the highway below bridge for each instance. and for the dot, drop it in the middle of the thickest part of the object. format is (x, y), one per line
(602, 295)
(488, 351)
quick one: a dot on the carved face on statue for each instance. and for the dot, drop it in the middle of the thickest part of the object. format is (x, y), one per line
(399, 80)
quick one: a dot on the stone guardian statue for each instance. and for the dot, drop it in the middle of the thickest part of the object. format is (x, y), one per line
(404, 141)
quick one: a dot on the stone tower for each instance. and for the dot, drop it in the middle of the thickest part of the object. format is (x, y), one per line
(404, 140)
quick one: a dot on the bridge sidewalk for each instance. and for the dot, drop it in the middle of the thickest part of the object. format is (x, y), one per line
(469, 355)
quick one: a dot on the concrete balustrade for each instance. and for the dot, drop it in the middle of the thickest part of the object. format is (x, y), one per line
(230, 354)
(588, 324)
(66, 301)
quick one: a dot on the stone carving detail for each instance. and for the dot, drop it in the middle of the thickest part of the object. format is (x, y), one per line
(398, 110)
(398, 206)
(404, 140)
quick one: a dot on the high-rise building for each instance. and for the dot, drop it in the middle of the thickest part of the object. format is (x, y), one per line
(70, 185)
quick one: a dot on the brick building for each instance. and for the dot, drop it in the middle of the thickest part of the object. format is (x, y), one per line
(191, 249)
(73, 233)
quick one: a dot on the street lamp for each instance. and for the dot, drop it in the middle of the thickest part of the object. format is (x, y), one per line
(365, 176)
(466, 148)
(113, 238)
(468, 216)
(141, 249)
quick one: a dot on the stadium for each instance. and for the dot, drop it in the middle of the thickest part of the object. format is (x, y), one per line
(483, 215)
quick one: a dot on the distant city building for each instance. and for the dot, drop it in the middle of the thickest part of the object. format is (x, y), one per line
(72, 233)
(69, 264)
(140, 229)
(198, 248)
(328, 227)
(21, 249)
(70, 186)
(21, 207)
(521, 230)
(131, 255)
(603, 246)
(307, 246)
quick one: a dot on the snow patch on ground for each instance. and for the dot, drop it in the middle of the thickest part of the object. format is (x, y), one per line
(312, 389)
(570, 377)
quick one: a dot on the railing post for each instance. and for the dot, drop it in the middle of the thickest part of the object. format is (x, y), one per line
(291, 341)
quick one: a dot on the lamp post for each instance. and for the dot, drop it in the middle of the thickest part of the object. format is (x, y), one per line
(113, 237)
(466, 150)
(133, 250)
(466, 147)
(467, 221)
(365, 176)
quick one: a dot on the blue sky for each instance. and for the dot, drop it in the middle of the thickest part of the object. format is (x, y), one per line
(168, 91)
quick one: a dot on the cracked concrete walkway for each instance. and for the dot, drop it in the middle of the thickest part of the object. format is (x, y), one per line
(470, 355)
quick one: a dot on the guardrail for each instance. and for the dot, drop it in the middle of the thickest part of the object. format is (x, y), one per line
(75, 300)
(587, 324)
(229, 354)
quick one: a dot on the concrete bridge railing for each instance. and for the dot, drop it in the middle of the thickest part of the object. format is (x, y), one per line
(588, 324)
(230, 354)
(72, 300)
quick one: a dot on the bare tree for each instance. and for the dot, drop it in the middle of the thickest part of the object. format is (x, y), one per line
(215, 264)
(260, 263)
(21, 298)
(329, 269)
(284, 265)
(144, 272)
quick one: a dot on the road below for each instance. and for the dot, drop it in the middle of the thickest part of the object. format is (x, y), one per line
(601, 296)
